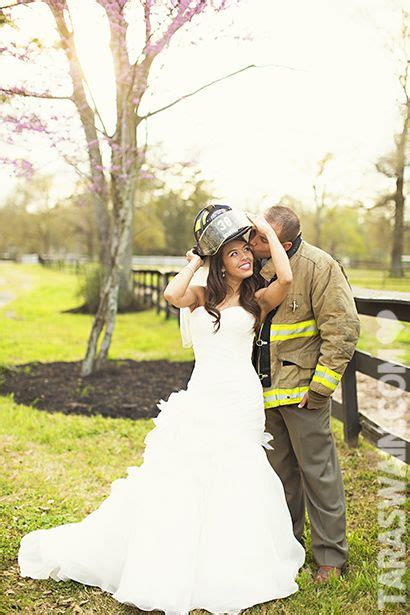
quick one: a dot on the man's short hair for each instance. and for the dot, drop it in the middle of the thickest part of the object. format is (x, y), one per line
(287, 221)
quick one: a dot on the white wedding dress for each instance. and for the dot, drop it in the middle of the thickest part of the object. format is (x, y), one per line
(203, 522)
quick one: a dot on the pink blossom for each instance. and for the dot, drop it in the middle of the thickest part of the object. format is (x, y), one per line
(20, 166)
(32, 122)
(146, 174)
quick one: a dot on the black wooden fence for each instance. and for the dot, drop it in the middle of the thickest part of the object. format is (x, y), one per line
(149, 286)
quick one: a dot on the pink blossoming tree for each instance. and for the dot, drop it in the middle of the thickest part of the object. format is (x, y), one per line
(113, 188)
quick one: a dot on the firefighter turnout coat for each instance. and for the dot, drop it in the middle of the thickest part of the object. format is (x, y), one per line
(306, 343)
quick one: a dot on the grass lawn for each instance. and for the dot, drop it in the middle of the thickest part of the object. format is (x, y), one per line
(378, 279)
(37, 327)
(396, 345)
(386, 339)
(58, 468)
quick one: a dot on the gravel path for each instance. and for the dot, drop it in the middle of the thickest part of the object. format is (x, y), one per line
(21, 281)
(370, 293)
(5, 296)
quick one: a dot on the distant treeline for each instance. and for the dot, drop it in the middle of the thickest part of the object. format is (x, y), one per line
(31, 223)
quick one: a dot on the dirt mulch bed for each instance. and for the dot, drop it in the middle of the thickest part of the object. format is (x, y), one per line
(128, 388)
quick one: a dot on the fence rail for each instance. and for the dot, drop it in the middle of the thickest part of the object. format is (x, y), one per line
(149, 286)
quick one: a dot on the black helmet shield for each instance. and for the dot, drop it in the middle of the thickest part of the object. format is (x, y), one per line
(216, 224)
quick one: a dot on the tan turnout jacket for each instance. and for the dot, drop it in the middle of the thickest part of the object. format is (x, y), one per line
(312, 335)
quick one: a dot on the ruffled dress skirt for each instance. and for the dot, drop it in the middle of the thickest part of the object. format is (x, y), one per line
(201, 523)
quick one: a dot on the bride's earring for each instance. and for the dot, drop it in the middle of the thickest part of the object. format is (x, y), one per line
(223, 274)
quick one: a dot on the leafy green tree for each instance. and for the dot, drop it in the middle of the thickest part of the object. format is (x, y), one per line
(149, 231)
(342, 232)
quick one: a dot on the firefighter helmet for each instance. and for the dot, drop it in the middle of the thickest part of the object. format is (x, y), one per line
(216, 224)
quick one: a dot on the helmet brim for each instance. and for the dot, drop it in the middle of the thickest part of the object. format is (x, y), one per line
(221, 229)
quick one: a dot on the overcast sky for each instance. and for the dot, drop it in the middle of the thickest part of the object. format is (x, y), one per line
(326, 84)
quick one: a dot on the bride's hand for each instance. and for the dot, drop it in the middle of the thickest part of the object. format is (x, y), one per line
(194, 258)
(262, 225)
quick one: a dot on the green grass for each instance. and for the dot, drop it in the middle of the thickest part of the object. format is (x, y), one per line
(378, 279)
(58, 468)
(373, 338)
(387, 339)
(37, 327)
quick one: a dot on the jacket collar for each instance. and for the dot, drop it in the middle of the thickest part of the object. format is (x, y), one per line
(268, 269)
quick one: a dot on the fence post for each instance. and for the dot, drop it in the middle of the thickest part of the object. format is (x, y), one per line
(159, 291)
(144, 287)
(136, 284)
(141, 286)
(351, 425)
(152, 287)
(167, 306)
(147, 288)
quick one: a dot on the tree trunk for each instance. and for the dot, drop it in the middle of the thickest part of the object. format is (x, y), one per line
(102, 223)
(89, 237)
(126, 290)
(396, 266)
(318, 242)
(107, 309)
(99, 186)
(318, 218)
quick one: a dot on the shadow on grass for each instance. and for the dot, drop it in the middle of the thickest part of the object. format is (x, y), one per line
(126, 389)
(86, 309)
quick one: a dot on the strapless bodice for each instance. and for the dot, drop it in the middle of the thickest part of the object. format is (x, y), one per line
(231, 344)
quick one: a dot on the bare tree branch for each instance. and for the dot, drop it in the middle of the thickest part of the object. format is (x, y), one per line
(383, 200)
(207, 85)
(87, 116)
(18, 92)
(97, 113)
(10, 6)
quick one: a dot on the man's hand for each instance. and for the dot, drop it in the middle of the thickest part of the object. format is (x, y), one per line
(314, 401)
(304, 401)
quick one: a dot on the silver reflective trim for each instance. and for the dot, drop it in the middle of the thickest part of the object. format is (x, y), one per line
(326, 376)
(281, 397)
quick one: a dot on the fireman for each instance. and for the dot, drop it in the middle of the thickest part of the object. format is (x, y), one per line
(301, 353)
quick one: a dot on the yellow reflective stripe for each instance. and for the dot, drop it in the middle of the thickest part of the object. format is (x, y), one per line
(325, 383)
(279, 337)
(295, 325)
(284, 391)
(305, 328)
(328, 372)
(326, 376)
(281, 397)
(201, 221)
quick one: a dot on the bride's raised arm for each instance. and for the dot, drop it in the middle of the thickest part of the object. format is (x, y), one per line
(178, 292)
(275, 293)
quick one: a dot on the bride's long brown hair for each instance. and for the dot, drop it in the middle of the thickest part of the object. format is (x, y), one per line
(217, 287)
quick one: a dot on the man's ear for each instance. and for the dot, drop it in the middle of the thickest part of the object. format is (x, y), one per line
(287, 245)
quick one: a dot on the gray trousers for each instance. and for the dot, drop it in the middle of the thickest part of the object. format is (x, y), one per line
(305, 459)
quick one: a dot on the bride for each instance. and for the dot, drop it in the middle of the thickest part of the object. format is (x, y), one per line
(203, 522)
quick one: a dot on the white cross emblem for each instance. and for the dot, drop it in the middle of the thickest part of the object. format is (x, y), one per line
(294, 306)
